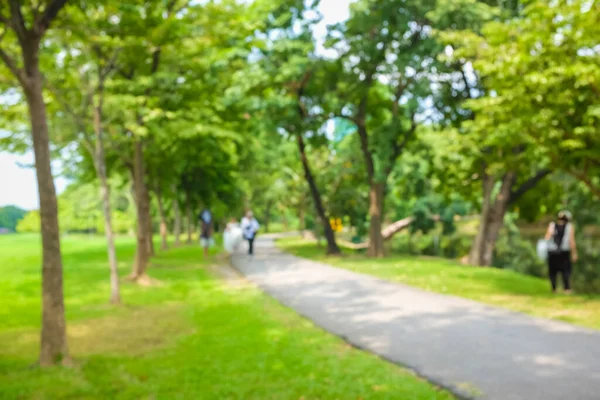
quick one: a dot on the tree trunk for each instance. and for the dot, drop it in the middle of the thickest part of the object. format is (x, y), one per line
(477, 249)
(284, 221)
(376, 197)
(492, 220)
(177, 227)
(148, 218)
(164, 245)
(188, 211)
(301, 218)
(54, 347)
(496, 218)
(332, 247)
(100, 164)
(141, 255)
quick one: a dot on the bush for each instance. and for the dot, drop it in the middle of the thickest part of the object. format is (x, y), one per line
(456, 245)
(452, 246)
(515, 253)
(586, 272)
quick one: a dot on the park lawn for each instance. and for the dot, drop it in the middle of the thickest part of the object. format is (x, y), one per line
(503, 288)
(191, 336)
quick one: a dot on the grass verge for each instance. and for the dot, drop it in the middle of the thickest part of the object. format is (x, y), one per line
(493, 286)
(191, 337)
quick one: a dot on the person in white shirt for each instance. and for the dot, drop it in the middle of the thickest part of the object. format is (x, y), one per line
(232, 236)
(250, 227)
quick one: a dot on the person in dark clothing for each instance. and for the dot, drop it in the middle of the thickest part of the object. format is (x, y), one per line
(250, 227)
(562, 250)
(206, 230)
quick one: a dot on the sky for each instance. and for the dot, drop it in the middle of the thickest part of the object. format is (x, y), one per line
(17, 178)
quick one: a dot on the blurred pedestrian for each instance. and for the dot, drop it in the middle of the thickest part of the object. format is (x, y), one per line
(250, 227)
(206, 230)
(562, 250)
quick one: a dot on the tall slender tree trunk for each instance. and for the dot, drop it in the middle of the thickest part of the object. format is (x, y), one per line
(301, 218)
(332, 247)
(53, 336)
(164, 245)
(376, 199)
(477, 249)
(148, 219)
(100, 163)
(188, 211)
(141, 255)
(177, 212)
(284, 221)
(376, 194)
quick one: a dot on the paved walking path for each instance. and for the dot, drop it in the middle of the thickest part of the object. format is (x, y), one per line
(475, 350)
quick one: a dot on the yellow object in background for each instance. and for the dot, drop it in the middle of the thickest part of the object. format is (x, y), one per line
(336, 224)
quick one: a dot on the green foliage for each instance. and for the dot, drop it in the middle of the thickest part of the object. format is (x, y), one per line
(10, 216)
(30, 223)
(427, 210)
(519, 255)
(542, 90)
(80, 211)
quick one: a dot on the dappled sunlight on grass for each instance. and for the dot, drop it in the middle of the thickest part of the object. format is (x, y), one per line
(191, 336)
(498, 287)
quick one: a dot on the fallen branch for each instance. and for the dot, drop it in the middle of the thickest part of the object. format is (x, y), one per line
(387, 233)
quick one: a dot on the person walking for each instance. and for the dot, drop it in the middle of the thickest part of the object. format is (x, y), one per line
(562, 250)
(206, 230)
(250, 227)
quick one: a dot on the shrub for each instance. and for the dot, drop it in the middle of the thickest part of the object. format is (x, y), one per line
(586, 272)
(456, 245)
(512, 252)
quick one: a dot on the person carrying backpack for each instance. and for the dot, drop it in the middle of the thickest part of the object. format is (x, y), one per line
(562, 250)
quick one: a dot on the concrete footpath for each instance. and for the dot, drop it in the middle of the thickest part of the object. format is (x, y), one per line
(477, 351)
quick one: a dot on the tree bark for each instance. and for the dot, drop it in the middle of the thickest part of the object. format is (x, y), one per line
(164, 245)
(177, 227)
(53, 335)
(492, 219)
(141, 255)
(376, 196)
(477, 249)
(496, 218)
(301, 218)
(148, 219)
(332, 247)
(188, 211)
(100, 164)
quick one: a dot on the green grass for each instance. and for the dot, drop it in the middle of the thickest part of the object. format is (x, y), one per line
(502, 288)
(190, 337)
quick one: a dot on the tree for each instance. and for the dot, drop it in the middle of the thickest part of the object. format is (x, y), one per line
(551, 52)
(10, 217)
(505, 165)
(280, 88)
(29, 36)
(91, 59)
(378, 81)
